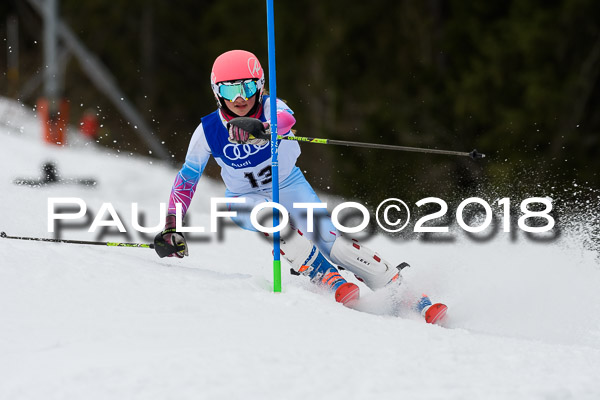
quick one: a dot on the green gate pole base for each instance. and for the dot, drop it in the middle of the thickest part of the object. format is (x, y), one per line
(277, 276)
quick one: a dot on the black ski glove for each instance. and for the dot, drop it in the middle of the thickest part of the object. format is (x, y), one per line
(246, 130)
(169, 242)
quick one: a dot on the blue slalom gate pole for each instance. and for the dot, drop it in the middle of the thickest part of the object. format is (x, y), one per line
(274, 144)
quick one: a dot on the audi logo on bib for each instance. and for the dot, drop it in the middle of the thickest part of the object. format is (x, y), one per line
(240, 152)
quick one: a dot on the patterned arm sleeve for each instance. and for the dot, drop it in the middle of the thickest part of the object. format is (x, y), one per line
(184, 188)
(188, 176)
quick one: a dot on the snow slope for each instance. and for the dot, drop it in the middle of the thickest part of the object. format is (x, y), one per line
(93, 322)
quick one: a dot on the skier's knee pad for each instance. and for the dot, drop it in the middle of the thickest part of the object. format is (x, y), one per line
(363, 262)
(299, 251)
(296, 249)
(306, 259)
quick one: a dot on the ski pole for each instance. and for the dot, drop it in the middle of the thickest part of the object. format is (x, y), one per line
(473, 154)
(111, 244)
(257, 130)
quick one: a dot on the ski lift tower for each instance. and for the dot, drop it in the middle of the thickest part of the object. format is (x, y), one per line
(53, 109)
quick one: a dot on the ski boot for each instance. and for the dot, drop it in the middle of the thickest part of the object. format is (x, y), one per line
(431, 312)
(323, 273)
(347, 293)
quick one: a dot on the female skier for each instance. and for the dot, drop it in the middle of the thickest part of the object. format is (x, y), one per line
(237, 81)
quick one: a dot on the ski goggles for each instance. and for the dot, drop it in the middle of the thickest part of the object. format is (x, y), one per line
(232, 90)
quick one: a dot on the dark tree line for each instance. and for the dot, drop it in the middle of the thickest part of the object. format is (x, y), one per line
(518, 80)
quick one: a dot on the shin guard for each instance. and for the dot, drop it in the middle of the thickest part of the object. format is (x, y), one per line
(306, 259)
(363, 262)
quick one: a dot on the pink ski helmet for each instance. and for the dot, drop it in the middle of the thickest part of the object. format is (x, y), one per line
(236, 65)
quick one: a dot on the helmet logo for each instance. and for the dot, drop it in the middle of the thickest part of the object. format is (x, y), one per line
(254, 67)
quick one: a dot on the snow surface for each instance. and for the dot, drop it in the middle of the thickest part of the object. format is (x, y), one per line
(95, 322)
